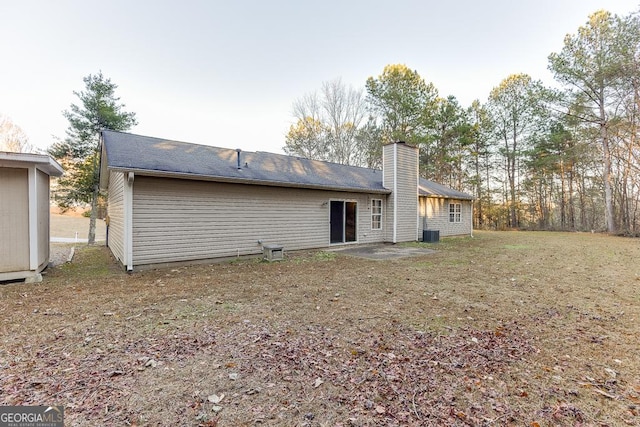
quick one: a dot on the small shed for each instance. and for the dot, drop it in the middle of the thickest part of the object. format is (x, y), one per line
(24, 214)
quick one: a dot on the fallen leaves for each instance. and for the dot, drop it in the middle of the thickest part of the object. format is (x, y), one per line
(395, 375)
(403, 376)
(95, 385)
(479, 360)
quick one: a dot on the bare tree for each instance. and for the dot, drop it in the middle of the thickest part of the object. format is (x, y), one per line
(307, 137)
(13, 138)
(328, 124)
(344, 110)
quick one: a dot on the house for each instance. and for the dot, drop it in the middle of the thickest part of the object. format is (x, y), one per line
(172, 201)
(24, 214)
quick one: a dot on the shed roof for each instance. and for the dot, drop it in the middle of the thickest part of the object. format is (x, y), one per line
(161, 157)
(44, 162)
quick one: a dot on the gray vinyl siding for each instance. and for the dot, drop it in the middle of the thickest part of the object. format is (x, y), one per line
(183, 220)
(434, 211)
(116, 215)
(42, 195)
(400, 175)
(407, 197)
(14, 220)
(387, 182)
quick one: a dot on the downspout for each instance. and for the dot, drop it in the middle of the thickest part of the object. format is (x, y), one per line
(471, 218)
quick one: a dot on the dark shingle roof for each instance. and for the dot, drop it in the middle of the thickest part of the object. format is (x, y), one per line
(155, 156)
(131, 152)
(433, 189)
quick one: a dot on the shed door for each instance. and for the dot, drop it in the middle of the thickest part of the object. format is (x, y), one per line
(14, 220)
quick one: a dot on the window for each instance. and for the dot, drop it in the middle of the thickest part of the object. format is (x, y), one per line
(455, 211)
(376, 214)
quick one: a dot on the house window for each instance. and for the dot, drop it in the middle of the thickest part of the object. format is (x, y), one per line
(376, 214)
(455, 212)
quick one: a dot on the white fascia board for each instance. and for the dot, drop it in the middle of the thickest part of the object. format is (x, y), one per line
(43, 162)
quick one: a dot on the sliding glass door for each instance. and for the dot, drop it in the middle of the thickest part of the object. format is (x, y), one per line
(344, 222)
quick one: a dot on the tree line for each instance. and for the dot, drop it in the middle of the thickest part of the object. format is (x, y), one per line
(534, 157)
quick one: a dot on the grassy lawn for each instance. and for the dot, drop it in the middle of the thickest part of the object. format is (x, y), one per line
(507, 328)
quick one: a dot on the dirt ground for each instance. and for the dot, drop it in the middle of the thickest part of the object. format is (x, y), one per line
(507, 328)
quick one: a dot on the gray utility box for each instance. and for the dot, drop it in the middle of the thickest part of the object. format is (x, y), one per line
(431, 236)
(273, 252)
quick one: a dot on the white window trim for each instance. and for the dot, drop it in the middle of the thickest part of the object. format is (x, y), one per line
(344, 221)
(456, 212)
(374, 214)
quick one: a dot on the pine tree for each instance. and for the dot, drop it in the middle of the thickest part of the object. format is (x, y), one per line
(99, 109)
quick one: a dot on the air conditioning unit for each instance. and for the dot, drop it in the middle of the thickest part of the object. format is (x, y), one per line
(431, 236)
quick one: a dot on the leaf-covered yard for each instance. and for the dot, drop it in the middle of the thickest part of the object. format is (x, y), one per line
(508, 328)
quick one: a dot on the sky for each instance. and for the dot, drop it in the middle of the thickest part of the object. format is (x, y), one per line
(226, 73)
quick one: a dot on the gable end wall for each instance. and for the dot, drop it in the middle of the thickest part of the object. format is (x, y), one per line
(116, 215)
